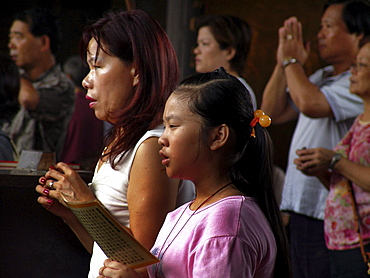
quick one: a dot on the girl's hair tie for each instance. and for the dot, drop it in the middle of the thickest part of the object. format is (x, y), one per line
(259, 117)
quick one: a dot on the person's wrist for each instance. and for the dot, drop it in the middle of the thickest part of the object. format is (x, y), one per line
(68, 217)
(289, 61)
(334, 160)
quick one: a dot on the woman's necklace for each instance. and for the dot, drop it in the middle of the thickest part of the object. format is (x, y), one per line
(160, 253)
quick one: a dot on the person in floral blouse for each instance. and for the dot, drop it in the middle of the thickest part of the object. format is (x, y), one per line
(344, 169)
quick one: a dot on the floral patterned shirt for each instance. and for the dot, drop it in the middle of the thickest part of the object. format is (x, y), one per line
(340, 228)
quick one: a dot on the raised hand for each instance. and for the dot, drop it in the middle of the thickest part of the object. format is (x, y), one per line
(291, 43)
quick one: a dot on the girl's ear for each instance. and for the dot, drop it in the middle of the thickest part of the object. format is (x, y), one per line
(219, 136)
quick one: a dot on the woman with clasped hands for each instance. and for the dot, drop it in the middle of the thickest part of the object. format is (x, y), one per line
(340, 169)
(133, 69)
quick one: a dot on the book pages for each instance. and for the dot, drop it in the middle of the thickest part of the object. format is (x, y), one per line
(117, 243)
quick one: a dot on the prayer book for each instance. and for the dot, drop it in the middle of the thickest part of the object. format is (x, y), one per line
(117, 243)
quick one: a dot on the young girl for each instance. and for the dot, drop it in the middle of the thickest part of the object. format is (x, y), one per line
(233, 227)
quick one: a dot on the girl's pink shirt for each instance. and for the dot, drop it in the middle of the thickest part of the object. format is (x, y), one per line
(229, 238)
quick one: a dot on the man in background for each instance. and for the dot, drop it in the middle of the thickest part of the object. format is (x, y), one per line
(46, 95)
(325, 109)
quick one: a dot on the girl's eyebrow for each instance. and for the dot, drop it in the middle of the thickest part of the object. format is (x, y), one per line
(92, 59)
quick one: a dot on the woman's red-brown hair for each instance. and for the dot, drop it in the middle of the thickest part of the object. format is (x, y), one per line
(134, 37)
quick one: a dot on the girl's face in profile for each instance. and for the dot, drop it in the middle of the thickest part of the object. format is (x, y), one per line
(182, 151)
(109, 83)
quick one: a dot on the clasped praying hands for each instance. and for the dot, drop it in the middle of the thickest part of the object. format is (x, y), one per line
(291, 44)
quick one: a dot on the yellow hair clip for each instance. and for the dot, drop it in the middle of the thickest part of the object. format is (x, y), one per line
(259, 117)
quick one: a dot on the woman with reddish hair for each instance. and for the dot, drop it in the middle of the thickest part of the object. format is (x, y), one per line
(133, 69)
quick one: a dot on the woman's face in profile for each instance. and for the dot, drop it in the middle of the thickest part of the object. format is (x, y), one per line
(360, 79)
(109, 83)
(208, 54)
